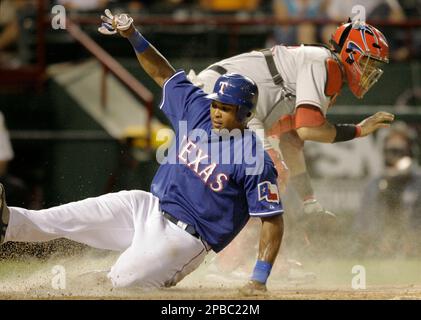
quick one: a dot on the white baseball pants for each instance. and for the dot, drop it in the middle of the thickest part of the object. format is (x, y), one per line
(156, 252)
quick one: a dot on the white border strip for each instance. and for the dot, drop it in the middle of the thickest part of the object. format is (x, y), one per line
(165, 84)
(310, 102)
(265, 213)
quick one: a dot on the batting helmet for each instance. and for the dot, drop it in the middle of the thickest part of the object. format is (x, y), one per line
(362, 49)
(238, 90)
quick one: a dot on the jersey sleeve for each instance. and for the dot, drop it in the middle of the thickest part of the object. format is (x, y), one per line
(308, 116)
(311, 82)
(181, 100)
(262, 192)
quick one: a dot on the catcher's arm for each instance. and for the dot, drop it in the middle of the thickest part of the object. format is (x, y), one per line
(292, 149)
(151, 60)
(329, 133)
(270, 242)
(257, 125)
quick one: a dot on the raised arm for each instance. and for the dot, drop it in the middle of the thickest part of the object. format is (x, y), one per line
(151, 60)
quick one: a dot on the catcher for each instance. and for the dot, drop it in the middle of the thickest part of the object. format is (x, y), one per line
(297, 86)
(194, 206)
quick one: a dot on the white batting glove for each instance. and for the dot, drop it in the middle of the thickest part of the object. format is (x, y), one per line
(121, 22)
(313, 207)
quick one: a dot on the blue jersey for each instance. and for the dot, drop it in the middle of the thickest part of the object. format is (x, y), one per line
(217, 197)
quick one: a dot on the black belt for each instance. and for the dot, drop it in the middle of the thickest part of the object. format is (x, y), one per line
(276, 75)
(188, 228)
(218, 69)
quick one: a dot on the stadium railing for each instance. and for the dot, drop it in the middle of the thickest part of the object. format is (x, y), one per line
(110, 65)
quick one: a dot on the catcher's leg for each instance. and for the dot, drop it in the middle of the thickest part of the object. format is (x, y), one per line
(104, 222)
(161, 253)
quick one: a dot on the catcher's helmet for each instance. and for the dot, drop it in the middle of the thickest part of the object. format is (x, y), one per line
(362, 49)
(238, 90)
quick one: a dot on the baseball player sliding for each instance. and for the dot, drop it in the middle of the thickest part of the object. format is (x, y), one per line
(297, 86)
(196, 203)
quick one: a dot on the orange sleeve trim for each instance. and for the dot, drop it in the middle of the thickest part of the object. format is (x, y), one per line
(308, 116)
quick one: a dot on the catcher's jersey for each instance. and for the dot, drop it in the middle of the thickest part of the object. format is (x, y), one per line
(200, 188)
(303, 69)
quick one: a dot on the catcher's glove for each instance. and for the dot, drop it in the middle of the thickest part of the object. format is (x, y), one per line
(313, 207)
(111, 24)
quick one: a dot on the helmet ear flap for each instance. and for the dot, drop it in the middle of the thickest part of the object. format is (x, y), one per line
(244, 113)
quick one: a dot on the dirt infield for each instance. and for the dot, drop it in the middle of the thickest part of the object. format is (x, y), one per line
(230, 294)
(34, 279)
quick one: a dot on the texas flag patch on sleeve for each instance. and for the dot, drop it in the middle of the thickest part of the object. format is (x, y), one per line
(268, 191)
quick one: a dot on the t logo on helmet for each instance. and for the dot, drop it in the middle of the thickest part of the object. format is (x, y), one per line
(222, 87)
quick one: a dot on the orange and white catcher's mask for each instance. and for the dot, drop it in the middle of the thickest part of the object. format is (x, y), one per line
(362, 50)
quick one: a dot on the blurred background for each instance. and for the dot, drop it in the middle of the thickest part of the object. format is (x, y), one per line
(79, 116)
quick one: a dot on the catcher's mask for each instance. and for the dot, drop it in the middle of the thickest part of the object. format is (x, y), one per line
(362, 49)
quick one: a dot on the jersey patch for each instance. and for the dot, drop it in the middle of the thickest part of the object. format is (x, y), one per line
(268, 191)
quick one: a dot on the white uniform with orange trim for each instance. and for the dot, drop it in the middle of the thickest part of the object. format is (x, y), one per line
(305, 75)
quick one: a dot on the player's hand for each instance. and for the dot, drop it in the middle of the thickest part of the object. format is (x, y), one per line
(253, 288)
(313, 207)
(379, 120)
(112, 24)
(282, 168)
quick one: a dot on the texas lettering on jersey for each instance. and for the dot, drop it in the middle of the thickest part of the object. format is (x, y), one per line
(190, 150)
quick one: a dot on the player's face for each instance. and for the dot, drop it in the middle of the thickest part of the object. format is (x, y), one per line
(224, 116)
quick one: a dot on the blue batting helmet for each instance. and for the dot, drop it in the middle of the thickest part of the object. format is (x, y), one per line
(238, 90)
